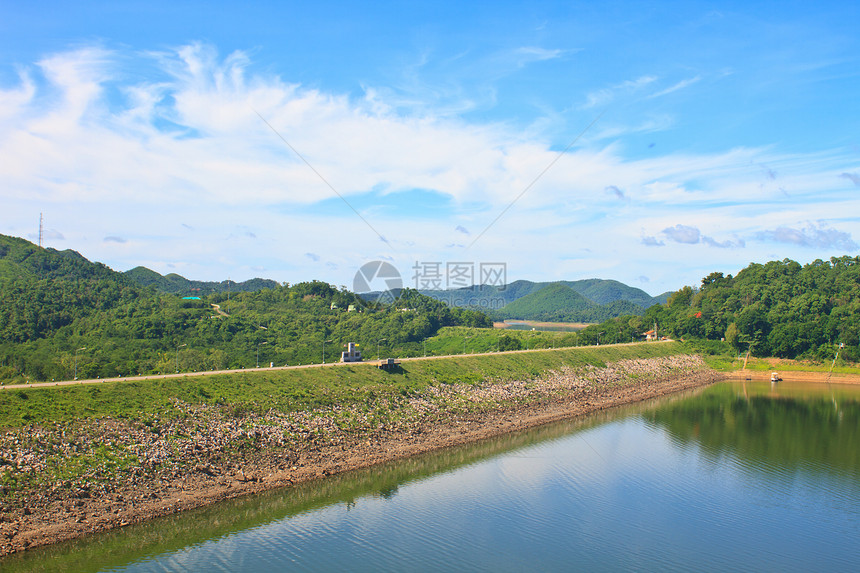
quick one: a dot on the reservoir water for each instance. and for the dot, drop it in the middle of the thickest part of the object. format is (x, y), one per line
(739, 476)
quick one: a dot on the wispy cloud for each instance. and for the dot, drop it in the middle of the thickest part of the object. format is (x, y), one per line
(852, 177)
(727, 244)
(528, 54)
(113, 239)
(813, 235)
(688, 235)
(652, 242)
(182, 150)
(607, 95)
(678, 86)
(683, 234)
(615, 191)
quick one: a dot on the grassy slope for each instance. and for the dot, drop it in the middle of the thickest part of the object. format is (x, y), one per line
(451, 339)
(295, 390)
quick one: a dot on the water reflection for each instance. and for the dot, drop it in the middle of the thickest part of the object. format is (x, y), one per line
(771, 428)
(737, 476)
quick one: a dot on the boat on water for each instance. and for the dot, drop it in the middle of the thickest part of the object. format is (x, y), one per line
(774, 377)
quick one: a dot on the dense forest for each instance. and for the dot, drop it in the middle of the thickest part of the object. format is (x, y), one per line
(780, 309)
(60, 315)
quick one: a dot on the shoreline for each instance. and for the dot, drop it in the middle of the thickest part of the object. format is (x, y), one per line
(210, 475)
(797, 376)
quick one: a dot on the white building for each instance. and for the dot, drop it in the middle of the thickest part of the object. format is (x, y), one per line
(351, 354)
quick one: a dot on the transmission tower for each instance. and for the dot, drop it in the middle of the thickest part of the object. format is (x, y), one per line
(40, 229)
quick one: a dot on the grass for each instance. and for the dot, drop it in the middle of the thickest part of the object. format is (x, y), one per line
(454, 339)
(779, 364)
(297, 390)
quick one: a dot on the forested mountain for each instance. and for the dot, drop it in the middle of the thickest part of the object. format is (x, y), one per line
(176, 284)
(548, 300)
(607, 291)
(558, 302)
(605, 298)
(59, 312)
(777, 309)
(57, 309)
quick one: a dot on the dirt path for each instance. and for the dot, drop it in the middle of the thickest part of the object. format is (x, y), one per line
(217, 308)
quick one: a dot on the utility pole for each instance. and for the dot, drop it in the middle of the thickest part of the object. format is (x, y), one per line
(323, 345)
(177, 356)
(830, 373)
(76, 360)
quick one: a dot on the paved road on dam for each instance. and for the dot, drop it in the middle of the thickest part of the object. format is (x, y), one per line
(279, 368)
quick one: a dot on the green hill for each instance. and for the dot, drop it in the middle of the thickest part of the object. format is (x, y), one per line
(556, 297)
(22, 258)
(60, 313)
(177, 284)
(606, 291)
(607, 294)
(558, 302)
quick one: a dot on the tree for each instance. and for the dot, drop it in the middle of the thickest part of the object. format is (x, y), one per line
(508, 342)
(733, 336)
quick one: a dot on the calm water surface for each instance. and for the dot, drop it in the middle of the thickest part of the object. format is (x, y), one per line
(735, 477)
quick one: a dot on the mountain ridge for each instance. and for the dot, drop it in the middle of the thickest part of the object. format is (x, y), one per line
(173, 283)
(608, 298)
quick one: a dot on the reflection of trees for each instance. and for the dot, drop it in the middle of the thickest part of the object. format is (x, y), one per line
(819, 434)
(388, 492)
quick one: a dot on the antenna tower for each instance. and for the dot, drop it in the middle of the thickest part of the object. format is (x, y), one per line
(40, 229)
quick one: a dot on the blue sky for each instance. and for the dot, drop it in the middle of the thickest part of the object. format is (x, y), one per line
(297, 141)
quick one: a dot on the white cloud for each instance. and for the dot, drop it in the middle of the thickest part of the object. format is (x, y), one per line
(678, 86)
(605, 96)
(149, 160)
(652, 242)
(528, 54)
(615, 192)
(13, 101)
(683, 234)
(737, 243)
(814, 235)
(852, 177)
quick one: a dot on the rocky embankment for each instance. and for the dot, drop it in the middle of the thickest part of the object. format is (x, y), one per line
(65, 480)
